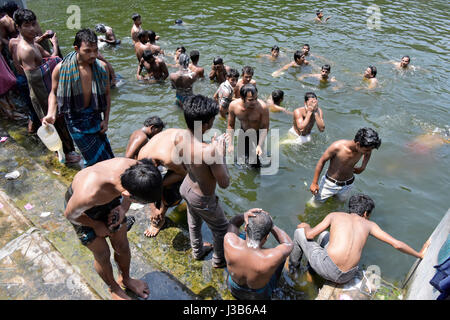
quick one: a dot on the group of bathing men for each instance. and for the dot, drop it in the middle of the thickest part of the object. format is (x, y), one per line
(154, 172)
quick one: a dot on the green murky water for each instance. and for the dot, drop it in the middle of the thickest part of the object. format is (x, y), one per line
(409, 188)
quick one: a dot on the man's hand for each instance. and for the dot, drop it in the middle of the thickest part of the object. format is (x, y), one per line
(101, 230)
(303, 225)
(358, 170)
(48, 119)
(424, 248)
(54, 39)
(258, 151)
(103, 126)
(314, 188)
(251, 213)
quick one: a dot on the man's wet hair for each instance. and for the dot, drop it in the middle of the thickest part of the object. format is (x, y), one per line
(373, 70)
(183, 49)
(318, 12)
(9, 8)
(154, 121)
(246, 89)
(135, 16)
(276, 48)
(368, 138)
(307, 45)
(409, 59)
(194, 55)
(298, 55)
(178, 21)
(233, 73)
(247, 70)
(360, 203)
(277, 96)
(183, 60)
(199, 108)
(151, 36)
(142, 34)
(326, 67)
(310, 95)
(217, 60)
(259, 227)
(148, 55)
(23, 15)
(143, 181)
(86, 36)
(100, 28)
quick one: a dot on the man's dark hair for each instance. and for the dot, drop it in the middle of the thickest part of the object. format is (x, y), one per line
(360, 203)
(142, 34)
(100, 28)
(373, 70)
(183, 60)
(183, 49)
(154, 121)
(143, 181)
(135, 16)
(276, 48)
(148, 55)
(310, 95)
(307, 45)
(199, 108)
(326, 67)
(178, 21)
(151, 36)
(233, 73)
(217, 60)
(195, 55)
(260, 226)
(23, 15)
(246, 89)
(277, 96)
(318, 12)
(247, 70)
(298, 55)
(368, 138)
(86, 36)
(409, 59)
(9, 8)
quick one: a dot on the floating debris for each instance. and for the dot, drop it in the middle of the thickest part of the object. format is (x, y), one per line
(12, 175)
(45, 214)
(3, 139)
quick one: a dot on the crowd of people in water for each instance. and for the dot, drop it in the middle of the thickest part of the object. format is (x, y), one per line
(164, 166)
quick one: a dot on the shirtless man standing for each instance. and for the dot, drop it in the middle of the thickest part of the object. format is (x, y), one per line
(336, 254)
(136, 28)
(253, 114)
(183, 80)
(343, 156)
(152, 43)
(142, 44)
(247, 77)
(152, 126)
(155, 67)
(218, 70)
(299, 60)
(305, 117)
(195, 56)
(254, 271)
(162, 150)
(96, 204)
(206, 167)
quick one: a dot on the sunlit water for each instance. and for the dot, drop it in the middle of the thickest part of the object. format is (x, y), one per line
(410, 189)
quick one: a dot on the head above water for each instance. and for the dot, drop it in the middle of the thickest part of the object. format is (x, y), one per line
(148, 56)
(275, 48)
(136, 17)
(178, 21)
(246, 89)
(367, 138)
(85, 44)
(195, 56)
(247, 70)
(183, 60)
(22, 16)
(258, 228)
(100, 28)
(405, 61)
(143, 182)
(310, 95)
(200, 108)
(143, 36)
(217, 60)
(361, 204)
(319, 13)
(299, 56)
(306, 48)
(151, 36)
(9, 8)
(181, 49)
(277, 96)
(373, 71)
(154, 121)
(233, 74)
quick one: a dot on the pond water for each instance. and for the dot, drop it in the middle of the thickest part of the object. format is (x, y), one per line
(407, 180)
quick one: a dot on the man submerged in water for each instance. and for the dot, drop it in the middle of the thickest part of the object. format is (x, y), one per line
(299, 61)
(274, 53)
(96, 205)
(254, 271)
(195, 56)
(218, 70)
(370, 77)
(110, 37)
(323, 76)
(305, 117)
(343, 156)
(274, 102)
(224, 95)
(336, 254)
(247, 77)
(183, 80)
(156, 67)
(152, 126)
(319, 17)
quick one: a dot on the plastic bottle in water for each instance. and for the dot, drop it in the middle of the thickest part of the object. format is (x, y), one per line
(50, 137)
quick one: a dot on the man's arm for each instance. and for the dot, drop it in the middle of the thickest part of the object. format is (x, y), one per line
(318, 115)
(165, 71)
(311, 233)
(139, 71)
(52, 100)
(230, 126)
(305, 76)
(284, 68)
(220, 170)
(327, 155)
(212, 73)
(366, 159)
(376, 231)
(104, 123)
(134, 146)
